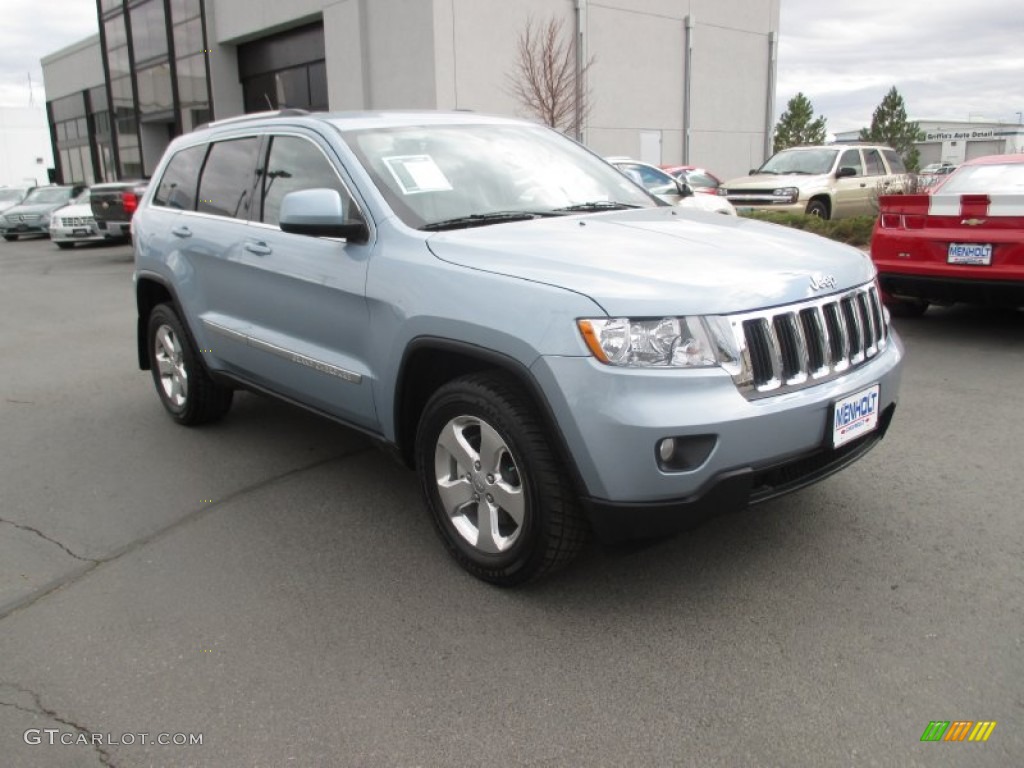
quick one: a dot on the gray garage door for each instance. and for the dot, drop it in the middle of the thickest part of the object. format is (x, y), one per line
(982, 148)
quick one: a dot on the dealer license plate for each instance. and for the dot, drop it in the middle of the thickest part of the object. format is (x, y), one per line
(973, 254)
(855, 416)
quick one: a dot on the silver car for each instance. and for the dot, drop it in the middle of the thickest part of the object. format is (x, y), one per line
(32, 215)
(551, 348)
(74, 223)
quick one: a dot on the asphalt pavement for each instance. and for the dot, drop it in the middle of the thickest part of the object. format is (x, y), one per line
(271, 585)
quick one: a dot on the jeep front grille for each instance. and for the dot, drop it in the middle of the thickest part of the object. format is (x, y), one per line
(799, 345)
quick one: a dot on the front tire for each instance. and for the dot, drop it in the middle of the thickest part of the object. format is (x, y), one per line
(817, 208)
(182, 382)
(498, 493)
(64, 246)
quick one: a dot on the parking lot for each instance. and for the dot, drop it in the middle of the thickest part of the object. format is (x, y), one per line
(273, 583)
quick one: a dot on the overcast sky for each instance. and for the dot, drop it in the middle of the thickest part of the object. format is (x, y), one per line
(951, 59)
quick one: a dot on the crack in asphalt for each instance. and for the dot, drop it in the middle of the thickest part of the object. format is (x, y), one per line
(43, 536)
(92, 564)
(104, 756)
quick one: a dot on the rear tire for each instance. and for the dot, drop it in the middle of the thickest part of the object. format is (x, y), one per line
(498, 493)
(182, 382)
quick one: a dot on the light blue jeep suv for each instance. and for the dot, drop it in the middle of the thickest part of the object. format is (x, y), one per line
(551, 348)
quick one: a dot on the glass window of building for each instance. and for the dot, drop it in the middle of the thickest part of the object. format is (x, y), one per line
(149, 31)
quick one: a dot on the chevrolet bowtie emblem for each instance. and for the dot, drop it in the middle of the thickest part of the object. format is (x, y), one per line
(972, 222)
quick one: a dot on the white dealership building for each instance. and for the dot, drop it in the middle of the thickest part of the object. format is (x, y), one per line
(671, 81)
(954, 141)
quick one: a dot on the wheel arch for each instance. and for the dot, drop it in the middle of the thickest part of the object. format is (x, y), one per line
(150, 291)
(430, 362)
(825, 199)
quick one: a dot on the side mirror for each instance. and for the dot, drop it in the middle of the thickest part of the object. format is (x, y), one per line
(846, 171)
(752, 172)
(684, 189)
(320, 213)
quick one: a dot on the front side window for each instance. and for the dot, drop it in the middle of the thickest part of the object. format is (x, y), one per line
(293, 164)
(851, 159)
(430, 174)
(177, 187)
(227, 182)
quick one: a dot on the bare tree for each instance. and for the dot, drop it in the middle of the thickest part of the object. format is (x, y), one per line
(549, 75)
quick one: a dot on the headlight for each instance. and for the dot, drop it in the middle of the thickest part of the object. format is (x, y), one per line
(668, 342)
(791, 193)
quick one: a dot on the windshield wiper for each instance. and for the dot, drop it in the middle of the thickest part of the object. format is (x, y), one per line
(482, 219)
(598, 205)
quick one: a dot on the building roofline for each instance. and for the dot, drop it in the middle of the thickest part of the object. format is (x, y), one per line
(81, 45)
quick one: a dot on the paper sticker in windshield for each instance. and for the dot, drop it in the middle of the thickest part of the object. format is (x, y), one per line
(417, 173)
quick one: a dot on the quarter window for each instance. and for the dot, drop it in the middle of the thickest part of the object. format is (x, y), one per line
(227, 183)
(293, 164)
(895, 161)
(177, 188)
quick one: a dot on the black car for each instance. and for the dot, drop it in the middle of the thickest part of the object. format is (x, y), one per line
(113, 205)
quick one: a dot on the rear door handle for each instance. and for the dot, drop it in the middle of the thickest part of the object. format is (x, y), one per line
(181, 231)
(258, 247)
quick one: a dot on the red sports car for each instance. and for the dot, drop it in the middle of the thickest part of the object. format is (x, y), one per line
(962, 242)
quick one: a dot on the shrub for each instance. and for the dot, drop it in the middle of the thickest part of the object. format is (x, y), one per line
(852, 231)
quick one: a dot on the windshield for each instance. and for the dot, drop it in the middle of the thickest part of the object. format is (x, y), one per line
(11, 195)
(802, 161)
(986, 179)
(49, 195)
(487, 173)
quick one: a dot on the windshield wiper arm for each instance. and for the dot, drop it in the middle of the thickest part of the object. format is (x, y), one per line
(598, 205)
(481, 219)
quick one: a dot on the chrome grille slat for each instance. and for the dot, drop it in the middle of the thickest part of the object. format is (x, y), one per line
(794, 346)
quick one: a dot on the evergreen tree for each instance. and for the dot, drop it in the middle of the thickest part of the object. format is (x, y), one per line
(889, 125)
(798, 126)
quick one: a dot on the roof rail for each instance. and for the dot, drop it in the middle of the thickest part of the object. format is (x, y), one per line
(287, 112)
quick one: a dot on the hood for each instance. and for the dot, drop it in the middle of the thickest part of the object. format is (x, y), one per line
(773, 181)
(659, 261)
(79, 210)
(34, 208)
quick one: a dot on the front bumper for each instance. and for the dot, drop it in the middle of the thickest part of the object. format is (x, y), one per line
(612, 420)
(742, 207)
(25, 229)
(75, 234)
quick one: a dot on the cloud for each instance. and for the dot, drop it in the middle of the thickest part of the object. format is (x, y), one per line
(31, 29)
(948, 60)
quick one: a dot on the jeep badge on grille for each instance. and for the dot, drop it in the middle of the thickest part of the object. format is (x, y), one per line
(820, 282)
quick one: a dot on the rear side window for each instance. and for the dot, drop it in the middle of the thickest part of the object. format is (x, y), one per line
(895, 161)
(227, 183)
(873, 163)
(294, 164)
(177, 187)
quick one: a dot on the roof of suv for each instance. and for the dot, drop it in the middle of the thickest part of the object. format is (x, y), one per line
(375, 119)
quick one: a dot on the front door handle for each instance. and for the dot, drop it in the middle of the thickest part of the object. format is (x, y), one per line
(181, 231)
(258, 247)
